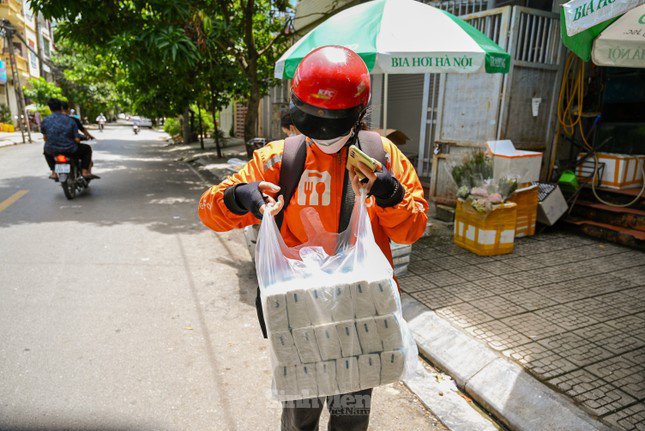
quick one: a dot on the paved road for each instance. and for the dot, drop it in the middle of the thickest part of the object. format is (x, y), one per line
(119, 311)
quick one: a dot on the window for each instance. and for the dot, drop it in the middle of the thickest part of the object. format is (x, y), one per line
(46, 49)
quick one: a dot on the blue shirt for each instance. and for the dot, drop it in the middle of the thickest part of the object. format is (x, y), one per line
(60, 131)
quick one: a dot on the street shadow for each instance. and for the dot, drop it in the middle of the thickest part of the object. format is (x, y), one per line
(237, 258)
(140, 184)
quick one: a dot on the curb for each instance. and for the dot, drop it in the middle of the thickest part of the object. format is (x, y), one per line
(505, 389)
(440, 395)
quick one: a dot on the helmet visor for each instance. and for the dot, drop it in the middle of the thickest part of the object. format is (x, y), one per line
(318, 123)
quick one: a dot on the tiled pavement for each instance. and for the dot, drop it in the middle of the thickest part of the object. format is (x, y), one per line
(570, 309)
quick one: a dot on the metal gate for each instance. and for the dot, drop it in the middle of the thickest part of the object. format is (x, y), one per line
(534, 77)
(479, 107)
(404, 108)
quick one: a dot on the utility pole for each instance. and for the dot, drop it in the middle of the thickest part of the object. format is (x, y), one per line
(39, 39)
(8, 31)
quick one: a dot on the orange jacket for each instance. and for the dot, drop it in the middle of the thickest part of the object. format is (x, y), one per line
(321, 187)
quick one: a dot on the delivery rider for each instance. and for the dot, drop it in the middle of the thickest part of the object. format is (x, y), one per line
(329, 96)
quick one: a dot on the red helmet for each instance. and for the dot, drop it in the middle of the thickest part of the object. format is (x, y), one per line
(329, 92)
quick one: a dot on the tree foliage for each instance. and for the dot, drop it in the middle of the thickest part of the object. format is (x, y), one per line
(91, 77)
(39, 91)
(179, 52)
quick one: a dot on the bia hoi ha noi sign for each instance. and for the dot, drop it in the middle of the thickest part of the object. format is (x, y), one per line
(582, 14)
(446, 62)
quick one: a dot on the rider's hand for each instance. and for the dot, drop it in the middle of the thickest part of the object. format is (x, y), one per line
(254, 197)
(386, 189)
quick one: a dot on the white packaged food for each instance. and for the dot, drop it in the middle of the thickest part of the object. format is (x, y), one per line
(392, 366)
(326, 377)
(320, 301)
(362, 297)
(343, 307)
(305, 341)
(349, 344)
(389, 331)
(383, 296)
(285, 380)
(284, 348)
(347, 375)
(307, 386)
(297, 309)
(328, 342)
(276, 315)
(369, 370)
(368, 335)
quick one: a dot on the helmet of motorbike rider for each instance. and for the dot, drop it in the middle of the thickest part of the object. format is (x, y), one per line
(329, 95)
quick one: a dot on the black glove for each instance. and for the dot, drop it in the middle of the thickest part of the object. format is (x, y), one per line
(242, 198)
(387, 190)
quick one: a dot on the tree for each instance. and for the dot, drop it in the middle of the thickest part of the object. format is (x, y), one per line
(254, 33)
(90, 77)
(167, 45)
(39, 90)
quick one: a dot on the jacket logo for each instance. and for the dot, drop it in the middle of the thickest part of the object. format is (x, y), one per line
(314, 188)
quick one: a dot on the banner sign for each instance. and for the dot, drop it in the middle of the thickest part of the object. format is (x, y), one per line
(583, 14)
(3, 72)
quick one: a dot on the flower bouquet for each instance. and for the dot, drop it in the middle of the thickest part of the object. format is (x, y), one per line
(476, 186)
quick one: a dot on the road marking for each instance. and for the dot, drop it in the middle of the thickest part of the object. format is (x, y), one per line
(12, 199)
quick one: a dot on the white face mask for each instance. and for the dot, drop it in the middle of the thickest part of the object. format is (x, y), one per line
(332, 146)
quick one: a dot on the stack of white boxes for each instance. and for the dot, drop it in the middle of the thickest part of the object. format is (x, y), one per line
(338, 339)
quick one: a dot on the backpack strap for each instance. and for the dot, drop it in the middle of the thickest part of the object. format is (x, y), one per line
(372, 145)
(291, 169)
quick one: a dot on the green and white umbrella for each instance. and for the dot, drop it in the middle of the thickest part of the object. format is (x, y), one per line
(623, 42)
(618, 41)
(402, 36)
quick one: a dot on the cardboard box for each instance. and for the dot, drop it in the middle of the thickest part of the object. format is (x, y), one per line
(485, 234)
(400, 257)
(551, 204)
(527, 205)
(509, 162)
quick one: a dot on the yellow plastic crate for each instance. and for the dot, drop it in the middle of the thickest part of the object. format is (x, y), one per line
(527, 204)
(485, 234)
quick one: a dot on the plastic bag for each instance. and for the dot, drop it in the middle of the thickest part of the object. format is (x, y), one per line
(332, 309)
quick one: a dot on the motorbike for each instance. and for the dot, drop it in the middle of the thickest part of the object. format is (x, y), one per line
(69, 175)
(255, 144)
(135, 128)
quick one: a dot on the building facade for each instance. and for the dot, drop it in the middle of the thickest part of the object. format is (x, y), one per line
(33, 38)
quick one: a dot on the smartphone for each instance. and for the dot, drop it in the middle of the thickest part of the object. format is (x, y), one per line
(355, 155)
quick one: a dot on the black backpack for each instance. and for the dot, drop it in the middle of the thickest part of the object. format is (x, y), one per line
(293, 165)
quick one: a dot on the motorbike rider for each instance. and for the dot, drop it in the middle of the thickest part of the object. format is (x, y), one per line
(135, 124)
(101, 120)
(287, 125)
(61, 136)
(71, 114)
(329, 98)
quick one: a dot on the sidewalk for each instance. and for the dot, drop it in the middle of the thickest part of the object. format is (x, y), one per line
(15, 138)
(567, 308)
